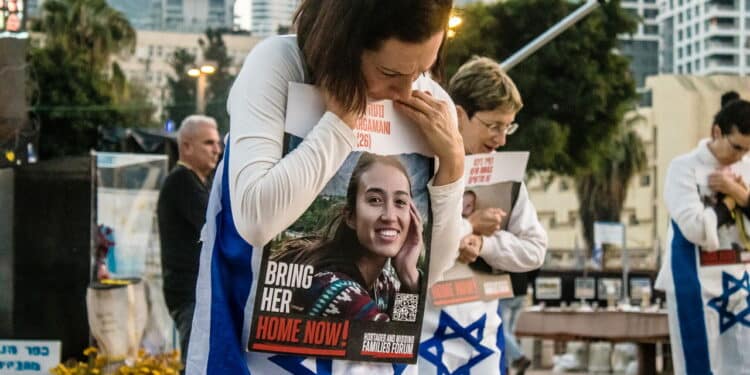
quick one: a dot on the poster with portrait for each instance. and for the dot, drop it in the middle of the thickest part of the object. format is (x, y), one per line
(347, 279)
(12, 18)
(492, 181)
(548, 288)
(733, 229)
(585, 288)
(609, 287)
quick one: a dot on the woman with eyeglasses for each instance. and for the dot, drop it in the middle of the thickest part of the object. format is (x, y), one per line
(487, 101)
(704, 272)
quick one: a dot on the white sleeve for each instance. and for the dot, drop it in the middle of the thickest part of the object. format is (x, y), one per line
(683, 201)
(523, 245)
(268, 192)
(446, 202)
(446, 227)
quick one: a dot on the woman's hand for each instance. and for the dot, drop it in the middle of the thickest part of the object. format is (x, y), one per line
(724, 181)
(335, 107)
(486, 221)
(469, 248)
(432, 117)
(405, 262)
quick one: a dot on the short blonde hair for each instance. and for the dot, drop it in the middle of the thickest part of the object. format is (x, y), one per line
(482, 85)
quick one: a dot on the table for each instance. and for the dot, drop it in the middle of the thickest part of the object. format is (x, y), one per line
(644, 328)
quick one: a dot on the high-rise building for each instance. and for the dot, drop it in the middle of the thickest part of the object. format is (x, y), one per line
(704, 37)
(271, 16)
(177, 15)
(642, 46)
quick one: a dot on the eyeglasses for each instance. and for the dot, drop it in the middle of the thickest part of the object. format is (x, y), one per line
(498, 128)
(736, 147)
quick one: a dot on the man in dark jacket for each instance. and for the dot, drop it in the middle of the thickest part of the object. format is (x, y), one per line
(182, 211)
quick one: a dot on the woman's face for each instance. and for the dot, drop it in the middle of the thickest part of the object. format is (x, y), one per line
(390, 71)
(469, 204)
(381, 217)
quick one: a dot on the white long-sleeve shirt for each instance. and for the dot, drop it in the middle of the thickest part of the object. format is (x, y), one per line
(698, 223)
(520, 247)
(269, 191)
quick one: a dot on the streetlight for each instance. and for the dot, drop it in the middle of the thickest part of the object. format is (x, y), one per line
(454, 21)
(200, 89)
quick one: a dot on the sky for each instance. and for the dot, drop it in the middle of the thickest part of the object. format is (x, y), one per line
(242, 11)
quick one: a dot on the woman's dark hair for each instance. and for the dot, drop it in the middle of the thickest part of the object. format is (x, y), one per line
(734, 114)
(332, 34)
(337, 246)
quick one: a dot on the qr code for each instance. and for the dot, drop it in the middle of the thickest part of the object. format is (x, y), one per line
(405, 307)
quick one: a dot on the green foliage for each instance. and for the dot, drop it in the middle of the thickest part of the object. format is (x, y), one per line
(89, 26)
(576, 91)
(317, 217)
(73, 85)
(603, 188)
(575, 88)
(220, 82)
(181, 87)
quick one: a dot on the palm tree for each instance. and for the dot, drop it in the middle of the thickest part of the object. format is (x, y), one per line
(87, 25)
(602, 188)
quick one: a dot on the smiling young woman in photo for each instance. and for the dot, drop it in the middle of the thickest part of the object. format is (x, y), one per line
(369, 251)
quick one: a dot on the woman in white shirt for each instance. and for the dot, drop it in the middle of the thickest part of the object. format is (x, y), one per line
(353, 51)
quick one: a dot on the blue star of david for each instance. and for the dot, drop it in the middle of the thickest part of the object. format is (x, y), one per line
(730, 285)
(294, 365)
(398, 368)
(472, 334)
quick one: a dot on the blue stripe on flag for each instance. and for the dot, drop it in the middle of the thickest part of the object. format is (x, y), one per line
(500, 341)
(231, 279)
(689, 304)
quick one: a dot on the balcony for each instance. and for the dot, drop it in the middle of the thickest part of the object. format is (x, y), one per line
(722, 46)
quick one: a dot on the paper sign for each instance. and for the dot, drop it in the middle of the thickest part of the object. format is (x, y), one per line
(382, 129)
(585, 288)
(491, 168)
(25, 357)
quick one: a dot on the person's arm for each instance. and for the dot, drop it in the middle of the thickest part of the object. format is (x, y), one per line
(268, 192)
(523, 245)
(446, 228)
(446, 198)
(683, 201)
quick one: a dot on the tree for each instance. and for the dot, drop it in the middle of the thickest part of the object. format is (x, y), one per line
(75, 88)
(219, 83)
(577, 89)
(87, 25)
(181, 87)
(602, 188)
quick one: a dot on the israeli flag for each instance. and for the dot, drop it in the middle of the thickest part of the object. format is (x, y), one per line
(709, 309)
(229, 268)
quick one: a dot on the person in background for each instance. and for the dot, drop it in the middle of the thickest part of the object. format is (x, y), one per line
(181, 212)
(708, 204)
(487, 101)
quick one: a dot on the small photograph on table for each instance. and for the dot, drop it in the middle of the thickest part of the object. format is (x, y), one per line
(609, 286)
(640, 286)
(548, 288)
(585, 288)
